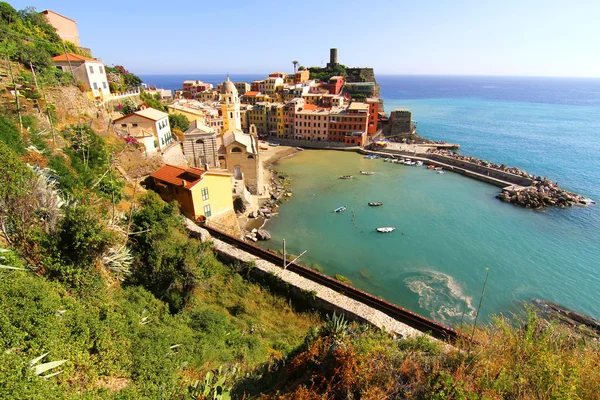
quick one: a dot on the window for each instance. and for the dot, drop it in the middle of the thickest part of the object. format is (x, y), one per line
(124, 125)
(207, 210)
(104, 85)
(91, 69)
(101, 70)
(236, 150)
(134, 125)
(205, 194)
(95, 86)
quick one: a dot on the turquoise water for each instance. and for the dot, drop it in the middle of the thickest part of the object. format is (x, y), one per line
(449, 229)
(453, 226)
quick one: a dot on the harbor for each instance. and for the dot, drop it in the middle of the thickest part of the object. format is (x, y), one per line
(433, 263)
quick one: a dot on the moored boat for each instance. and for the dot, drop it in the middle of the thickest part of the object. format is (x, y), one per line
(273, 144)
(419, 163)
(340, 209)
(430, 166)
(441, 171)
(346, 177)
(299, 149)
(376, 203)
(386, 229)
(367, 173)
(438, 168)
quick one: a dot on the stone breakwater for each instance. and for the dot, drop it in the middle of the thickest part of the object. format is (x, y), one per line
(541, 193)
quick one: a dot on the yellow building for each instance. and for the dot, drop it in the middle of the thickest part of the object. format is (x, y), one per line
(257, 115)
(280, 121)
(201, 194)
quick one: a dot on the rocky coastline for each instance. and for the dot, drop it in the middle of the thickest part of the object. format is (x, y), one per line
(279, 191)
(542, 193)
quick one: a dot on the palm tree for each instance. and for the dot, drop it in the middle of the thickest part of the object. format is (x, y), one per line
(295, 65)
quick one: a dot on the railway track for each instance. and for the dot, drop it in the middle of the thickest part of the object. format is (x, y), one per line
(416, 321)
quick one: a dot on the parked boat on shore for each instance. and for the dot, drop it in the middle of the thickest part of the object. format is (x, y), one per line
(367, 173)
(299, 149)
(340, 209)
(386, 229)
(376, 203)
(346, 177)
(273, 144)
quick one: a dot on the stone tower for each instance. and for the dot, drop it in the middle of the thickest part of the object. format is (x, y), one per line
(230, 107)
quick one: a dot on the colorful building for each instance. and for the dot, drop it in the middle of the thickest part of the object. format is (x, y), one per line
(201, 194)
(89, 71)
(373, 103)
(230, 107)
(149, 120)
(65, 27)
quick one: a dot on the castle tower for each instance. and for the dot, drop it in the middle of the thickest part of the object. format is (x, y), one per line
(230, 107)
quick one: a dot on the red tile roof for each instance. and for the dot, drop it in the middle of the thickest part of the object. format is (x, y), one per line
(251, 93)
(72, 57)
(178, 175)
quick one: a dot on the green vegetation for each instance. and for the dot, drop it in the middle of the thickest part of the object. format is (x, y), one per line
(121, 80)
(29, 39)
(343, 279)
(179, 121)
(510, 360)
(152, 100)
(96, 304)
(323, 74)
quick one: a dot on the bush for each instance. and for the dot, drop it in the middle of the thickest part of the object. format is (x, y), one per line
(179, 121)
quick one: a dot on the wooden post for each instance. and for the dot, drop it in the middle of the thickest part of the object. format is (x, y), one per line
(69, 61)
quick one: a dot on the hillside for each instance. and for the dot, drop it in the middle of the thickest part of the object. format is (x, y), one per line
(105, 294)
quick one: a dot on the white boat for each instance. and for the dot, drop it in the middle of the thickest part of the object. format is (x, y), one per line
(386, 159)
(440, 172)
(376, 204)
(273, 144)
(438, 168)
(340, 209)
(419, 163)
(386, 229)
(346, 177)
(299, 149)
(367, 173)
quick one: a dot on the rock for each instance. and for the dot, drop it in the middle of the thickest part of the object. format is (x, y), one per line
(263, 235)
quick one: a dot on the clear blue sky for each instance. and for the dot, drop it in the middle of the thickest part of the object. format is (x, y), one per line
(461, 37)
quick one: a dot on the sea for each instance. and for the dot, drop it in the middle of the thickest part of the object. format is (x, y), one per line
(451, 230)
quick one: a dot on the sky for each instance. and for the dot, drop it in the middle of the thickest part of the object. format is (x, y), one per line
(426, 37)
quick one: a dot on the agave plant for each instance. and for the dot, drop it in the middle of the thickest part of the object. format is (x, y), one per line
(337, 325)
(118, 260)
(213, 386)
(39, 369)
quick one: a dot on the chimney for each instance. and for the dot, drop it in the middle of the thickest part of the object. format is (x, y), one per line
(184, 182)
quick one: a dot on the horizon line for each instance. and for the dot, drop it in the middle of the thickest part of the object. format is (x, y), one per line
(385, 74)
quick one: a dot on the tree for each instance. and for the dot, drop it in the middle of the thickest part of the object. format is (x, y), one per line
(179, 121)
(128, 107)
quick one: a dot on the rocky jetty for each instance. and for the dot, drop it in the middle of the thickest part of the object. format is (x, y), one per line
(542, 193)
(501, 167)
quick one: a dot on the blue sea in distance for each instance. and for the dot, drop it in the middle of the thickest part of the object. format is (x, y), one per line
(450, 228)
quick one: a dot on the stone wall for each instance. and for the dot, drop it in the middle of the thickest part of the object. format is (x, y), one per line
(399, 124)
(360, 75)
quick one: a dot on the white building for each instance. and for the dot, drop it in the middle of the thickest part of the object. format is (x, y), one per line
(86, 70)
(149, 120)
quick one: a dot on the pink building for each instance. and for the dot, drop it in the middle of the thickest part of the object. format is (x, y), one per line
(65, 27)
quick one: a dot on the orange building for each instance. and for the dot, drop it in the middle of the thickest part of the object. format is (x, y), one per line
(65, 27)
(373, 115)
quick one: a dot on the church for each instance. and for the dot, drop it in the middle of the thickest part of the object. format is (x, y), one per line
(240, 150)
